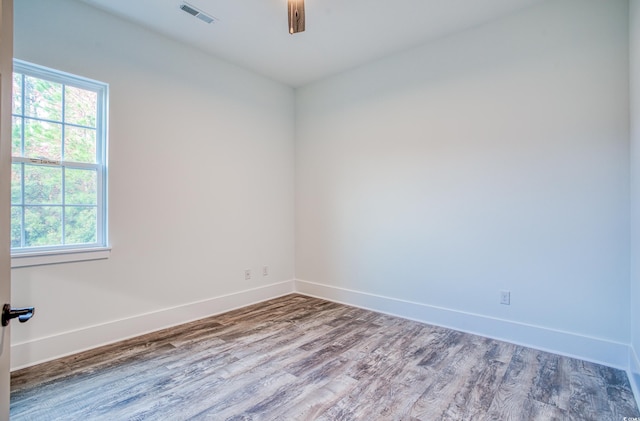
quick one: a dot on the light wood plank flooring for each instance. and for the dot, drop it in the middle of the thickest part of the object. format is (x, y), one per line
(301, 358)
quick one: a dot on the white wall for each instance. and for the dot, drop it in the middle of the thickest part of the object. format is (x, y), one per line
(635, 192)
(201, 185)
(494, 159)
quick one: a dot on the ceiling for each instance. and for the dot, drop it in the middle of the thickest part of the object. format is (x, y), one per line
(339, 34)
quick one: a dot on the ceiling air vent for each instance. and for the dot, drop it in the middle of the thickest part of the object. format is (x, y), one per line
(193, 11)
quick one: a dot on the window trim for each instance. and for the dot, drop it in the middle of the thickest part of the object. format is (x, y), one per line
(52, 257)
(34, 256)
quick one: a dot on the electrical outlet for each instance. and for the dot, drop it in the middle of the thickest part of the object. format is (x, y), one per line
(265, 270)
(247, 274)
(505, 297)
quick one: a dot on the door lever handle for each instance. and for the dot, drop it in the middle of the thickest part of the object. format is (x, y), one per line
(23, 314)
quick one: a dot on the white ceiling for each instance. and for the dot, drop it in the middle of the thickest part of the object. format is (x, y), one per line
(340, 34)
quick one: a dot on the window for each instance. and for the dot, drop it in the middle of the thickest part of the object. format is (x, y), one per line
(58, 179)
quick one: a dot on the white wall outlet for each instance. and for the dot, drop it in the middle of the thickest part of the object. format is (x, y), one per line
(265, 270)
(247, 274)
(505, 297)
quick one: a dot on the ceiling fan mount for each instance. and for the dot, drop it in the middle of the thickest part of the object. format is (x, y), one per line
(296, 16)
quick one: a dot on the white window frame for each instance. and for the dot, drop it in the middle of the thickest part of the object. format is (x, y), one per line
(33, 256)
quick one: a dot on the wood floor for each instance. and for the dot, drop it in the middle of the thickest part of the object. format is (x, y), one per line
(301, 358)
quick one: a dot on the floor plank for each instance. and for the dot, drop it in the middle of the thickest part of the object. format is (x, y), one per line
(302, 358)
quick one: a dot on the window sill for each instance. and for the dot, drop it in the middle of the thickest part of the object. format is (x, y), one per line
(59, 256)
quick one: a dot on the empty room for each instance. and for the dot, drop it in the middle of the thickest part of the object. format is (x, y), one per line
(320, 209)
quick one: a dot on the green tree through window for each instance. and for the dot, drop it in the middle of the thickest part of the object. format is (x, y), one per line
(58, 179)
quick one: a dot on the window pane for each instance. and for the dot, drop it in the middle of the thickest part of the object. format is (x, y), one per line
(80, 225)
(16, 226)
(16, 136)
(16, 184)
(81, 187)
(42, 184)
(80, 145)
(42, 225)
(17, 93)
(81, 106)
(42, 99)
(42, 139)
(57, 201)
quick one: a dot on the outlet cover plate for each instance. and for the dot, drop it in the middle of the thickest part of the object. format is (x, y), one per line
(505, 297)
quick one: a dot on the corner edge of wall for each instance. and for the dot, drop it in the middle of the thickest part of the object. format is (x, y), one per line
(634, 373)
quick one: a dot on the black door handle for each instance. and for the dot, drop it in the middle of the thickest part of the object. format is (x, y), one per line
(23, 314)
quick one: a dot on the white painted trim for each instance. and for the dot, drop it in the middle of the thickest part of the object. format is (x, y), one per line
(21, 260)
(601, 351)
(48, 348)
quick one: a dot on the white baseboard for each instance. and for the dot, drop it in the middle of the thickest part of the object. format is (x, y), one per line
(60, 345)
(591, 349)
(597, 350)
